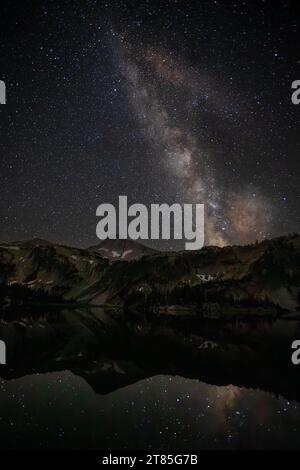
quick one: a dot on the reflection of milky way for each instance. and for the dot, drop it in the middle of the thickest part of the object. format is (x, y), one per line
(152, 79)
(161, 412)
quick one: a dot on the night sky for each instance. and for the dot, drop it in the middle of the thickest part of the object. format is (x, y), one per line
(161, 101)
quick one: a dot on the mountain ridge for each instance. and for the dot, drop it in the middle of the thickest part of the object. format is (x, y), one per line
(263, 276)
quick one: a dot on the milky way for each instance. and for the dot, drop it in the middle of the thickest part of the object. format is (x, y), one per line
(166, 102)
(231, 216)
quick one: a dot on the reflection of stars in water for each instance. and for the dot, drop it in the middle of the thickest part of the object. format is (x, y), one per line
(160, 412)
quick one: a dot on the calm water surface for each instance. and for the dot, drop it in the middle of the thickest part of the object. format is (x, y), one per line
(60, 410)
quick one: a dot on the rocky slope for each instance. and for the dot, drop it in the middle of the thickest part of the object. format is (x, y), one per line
(260, 279)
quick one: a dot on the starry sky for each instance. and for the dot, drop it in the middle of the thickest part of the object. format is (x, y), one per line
(161, 101)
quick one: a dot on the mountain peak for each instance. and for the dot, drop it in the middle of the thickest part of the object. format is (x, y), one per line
(125, 250)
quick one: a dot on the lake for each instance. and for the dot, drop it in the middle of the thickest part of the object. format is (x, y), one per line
(90, 380)
(60, 410)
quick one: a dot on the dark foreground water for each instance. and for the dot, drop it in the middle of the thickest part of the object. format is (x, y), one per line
(93, 380)
(60, 410)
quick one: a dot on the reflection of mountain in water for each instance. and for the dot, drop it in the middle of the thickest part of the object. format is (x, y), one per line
(111, 350)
